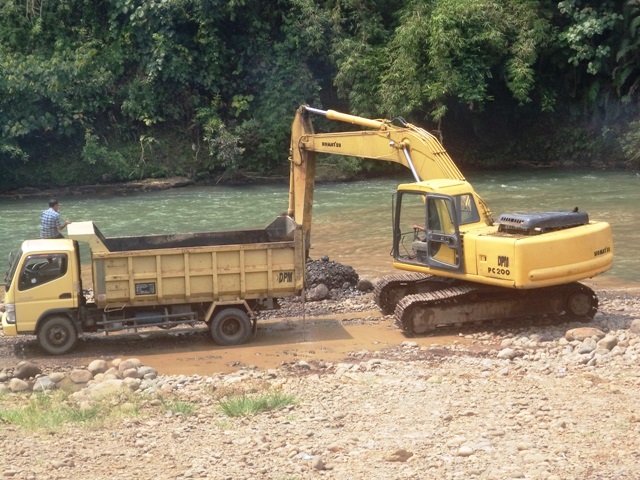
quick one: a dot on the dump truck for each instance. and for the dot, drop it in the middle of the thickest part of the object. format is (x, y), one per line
(220, 278)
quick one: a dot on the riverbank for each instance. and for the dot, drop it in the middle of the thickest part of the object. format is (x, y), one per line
(325, 173)
(147, 185)
(540, 401)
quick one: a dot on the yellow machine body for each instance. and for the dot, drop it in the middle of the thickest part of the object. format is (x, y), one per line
(464, 242)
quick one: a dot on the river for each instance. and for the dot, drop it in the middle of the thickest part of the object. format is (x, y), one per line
(351, 220)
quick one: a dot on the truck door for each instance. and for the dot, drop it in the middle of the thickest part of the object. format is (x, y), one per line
(444, 248)
(45, 282)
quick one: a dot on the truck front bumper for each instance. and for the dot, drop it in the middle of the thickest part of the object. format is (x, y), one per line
(9, 329)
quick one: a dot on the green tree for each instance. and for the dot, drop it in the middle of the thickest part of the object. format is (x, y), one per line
(124, 89)
(593, 36)
(461, 51)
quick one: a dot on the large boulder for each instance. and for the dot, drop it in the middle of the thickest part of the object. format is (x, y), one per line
(582, 333)
(43, 384)
(106, 389)
(98, 366)
(80, 376)
(319, 292)
(608, 342)
(128, 364)
(26, 370)
(18, 385)
(364, 285)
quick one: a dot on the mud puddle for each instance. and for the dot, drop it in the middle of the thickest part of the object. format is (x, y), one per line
(288, 341)
(329, 338)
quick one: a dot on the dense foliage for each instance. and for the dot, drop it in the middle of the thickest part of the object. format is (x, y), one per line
(120, 89)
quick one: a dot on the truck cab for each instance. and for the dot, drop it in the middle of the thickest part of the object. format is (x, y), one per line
(43, 280)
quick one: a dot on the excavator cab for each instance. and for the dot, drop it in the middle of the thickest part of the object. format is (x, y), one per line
(433, 238)
(438, 212)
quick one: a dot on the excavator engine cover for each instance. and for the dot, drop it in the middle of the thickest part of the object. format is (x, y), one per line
(540, 222)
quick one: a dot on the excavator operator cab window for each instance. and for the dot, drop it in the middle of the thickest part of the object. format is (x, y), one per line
(466, 208)
(440, 218)
(434, 239)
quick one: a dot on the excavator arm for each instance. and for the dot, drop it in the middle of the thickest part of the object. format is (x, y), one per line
(406, 144)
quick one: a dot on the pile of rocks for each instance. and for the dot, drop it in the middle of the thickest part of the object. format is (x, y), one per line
(613, 337)
(328, 279)
(97, 380)
(332, 274)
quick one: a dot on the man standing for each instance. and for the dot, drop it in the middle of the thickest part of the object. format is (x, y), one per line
(50, 225)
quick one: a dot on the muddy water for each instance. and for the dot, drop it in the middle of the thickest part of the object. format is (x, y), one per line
(329, 338)
(290, 340)
(352, 225)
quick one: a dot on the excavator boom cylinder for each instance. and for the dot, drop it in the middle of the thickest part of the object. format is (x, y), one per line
(346, 118)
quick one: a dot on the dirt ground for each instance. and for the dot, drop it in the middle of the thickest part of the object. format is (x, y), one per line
(488, 402)
(317, 331)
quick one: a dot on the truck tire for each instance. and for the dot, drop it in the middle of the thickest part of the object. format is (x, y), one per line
(230, 326)
(57, 335)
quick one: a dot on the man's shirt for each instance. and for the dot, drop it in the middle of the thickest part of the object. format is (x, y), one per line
(50, 221)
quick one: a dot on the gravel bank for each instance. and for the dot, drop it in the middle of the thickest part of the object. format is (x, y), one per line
(539, 401)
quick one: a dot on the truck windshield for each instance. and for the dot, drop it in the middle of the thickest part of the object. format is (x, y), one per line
(13, 264)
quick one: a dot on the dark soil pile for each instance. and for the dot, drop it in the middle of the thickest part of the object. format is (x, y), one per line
(332, 274)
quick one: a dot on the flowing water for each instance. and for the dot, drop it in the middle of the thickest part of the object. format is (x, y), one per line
(351, 221)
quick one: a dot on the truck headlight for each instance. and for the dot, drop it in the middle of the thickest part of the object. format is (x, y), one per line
(10, 310)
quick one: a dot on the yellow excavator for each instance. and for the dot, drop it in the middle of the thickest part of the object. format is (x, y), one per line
(462, 265)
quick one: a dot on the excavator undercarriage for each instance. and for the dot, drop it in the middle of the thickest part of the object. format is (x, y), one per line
(421, 303)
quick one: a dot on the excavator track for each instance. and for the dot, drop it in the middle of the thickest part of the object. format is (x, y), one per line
(472, 303)
(392, 288)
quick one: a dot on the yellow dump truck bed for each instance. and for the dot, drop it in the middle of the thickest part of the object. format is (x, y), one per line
(190, 268)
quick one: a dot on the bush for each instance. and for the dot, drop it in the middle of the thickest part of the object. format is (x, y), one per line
(631, 145)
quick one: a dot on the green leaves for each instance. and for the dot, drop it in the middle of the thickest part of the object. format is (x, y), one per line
(226, 76)
(224, 152)
(459, 49)
(588, 34)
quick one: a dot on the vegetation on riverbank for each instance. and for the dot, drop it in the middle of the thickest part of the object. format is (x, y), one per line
(128, 89)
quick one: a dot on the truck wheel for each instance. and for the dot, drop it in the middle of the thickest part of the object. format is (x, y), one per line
(230, 326)
(57, 335)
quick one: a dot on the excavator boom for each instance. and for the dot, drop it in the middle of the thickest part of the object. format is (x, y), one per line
(407, 145)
